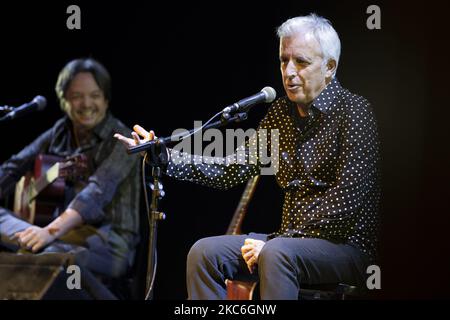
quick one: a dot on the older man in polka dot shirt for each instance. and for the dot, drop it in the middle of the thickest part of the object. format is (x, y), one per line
(328, 170)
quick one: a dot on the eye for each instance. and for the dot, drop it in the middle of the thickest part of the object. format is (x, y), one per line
(74, 97)
(301, 61)
(96, 95)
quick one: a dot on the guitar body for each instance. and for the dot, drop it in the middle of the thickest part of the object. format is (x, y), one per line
(240, 290)
(23, 208)
(53, 194)
(39, 193)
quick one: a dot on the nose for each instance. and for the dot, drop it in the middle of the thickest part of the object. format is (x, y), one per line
(85, 102)
(290, 69)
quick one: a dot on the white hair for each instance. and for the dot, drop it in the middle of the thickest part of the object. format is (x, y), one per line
(317, 27)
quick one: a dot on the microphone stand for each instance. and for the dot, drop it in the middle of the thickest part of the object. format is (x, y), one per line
(154, 217)
(157, 155)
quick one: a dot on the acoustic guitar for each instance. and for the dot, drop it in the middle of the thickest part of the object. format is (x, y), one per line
(241, 290)
(40, 192)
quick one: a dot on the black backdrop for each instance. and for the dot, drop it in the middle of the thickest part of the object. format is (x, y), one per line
(172, 64)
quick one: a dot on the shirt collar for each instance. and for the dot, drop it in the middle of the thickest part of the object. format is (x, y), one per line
(326, 97)
(102, 130)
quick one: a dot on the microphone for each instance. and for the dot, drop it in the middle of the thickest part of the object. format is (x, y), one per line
(37, 104)
(267, 94)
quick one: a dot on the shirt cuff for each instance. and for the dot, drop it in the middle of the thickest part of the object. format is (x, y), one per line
(88, 210)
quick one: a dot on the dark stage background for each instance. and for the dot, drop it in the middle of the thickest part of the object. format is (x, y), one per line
(172, 64)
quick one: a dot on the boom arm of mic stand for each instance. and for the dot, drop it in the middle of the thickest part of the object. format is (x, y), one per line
(167, 140)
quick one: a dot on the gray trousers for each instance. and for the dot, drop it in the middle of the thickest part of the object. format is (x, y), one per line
(284, 264)
(104, 254)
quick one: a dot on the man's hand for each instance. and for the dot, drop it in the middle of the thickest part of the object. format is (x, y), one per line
(136, 140)
(34, 238)
(250, 252)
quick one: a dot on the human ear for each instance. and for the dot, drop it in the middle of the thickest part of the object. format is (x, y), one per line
(330, 68)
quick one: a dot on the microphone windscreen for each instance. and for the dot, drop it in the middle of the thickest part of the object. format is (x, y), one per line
(41, 102)
(269, 93)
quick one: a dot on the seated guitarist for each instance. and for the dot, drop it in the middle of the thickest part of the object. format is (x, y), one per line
(328, 171)
(101, 211)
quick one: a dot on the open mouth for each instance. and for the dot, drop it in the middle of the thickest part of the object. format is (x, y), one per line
(86, 114)
(293, 87)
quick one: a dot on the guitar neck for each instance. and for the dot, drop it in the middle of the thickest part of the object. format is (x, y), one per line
(241, 210)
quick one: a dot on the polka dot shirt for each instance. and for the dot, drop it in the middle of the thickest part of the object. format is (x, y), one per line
(328, 168)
